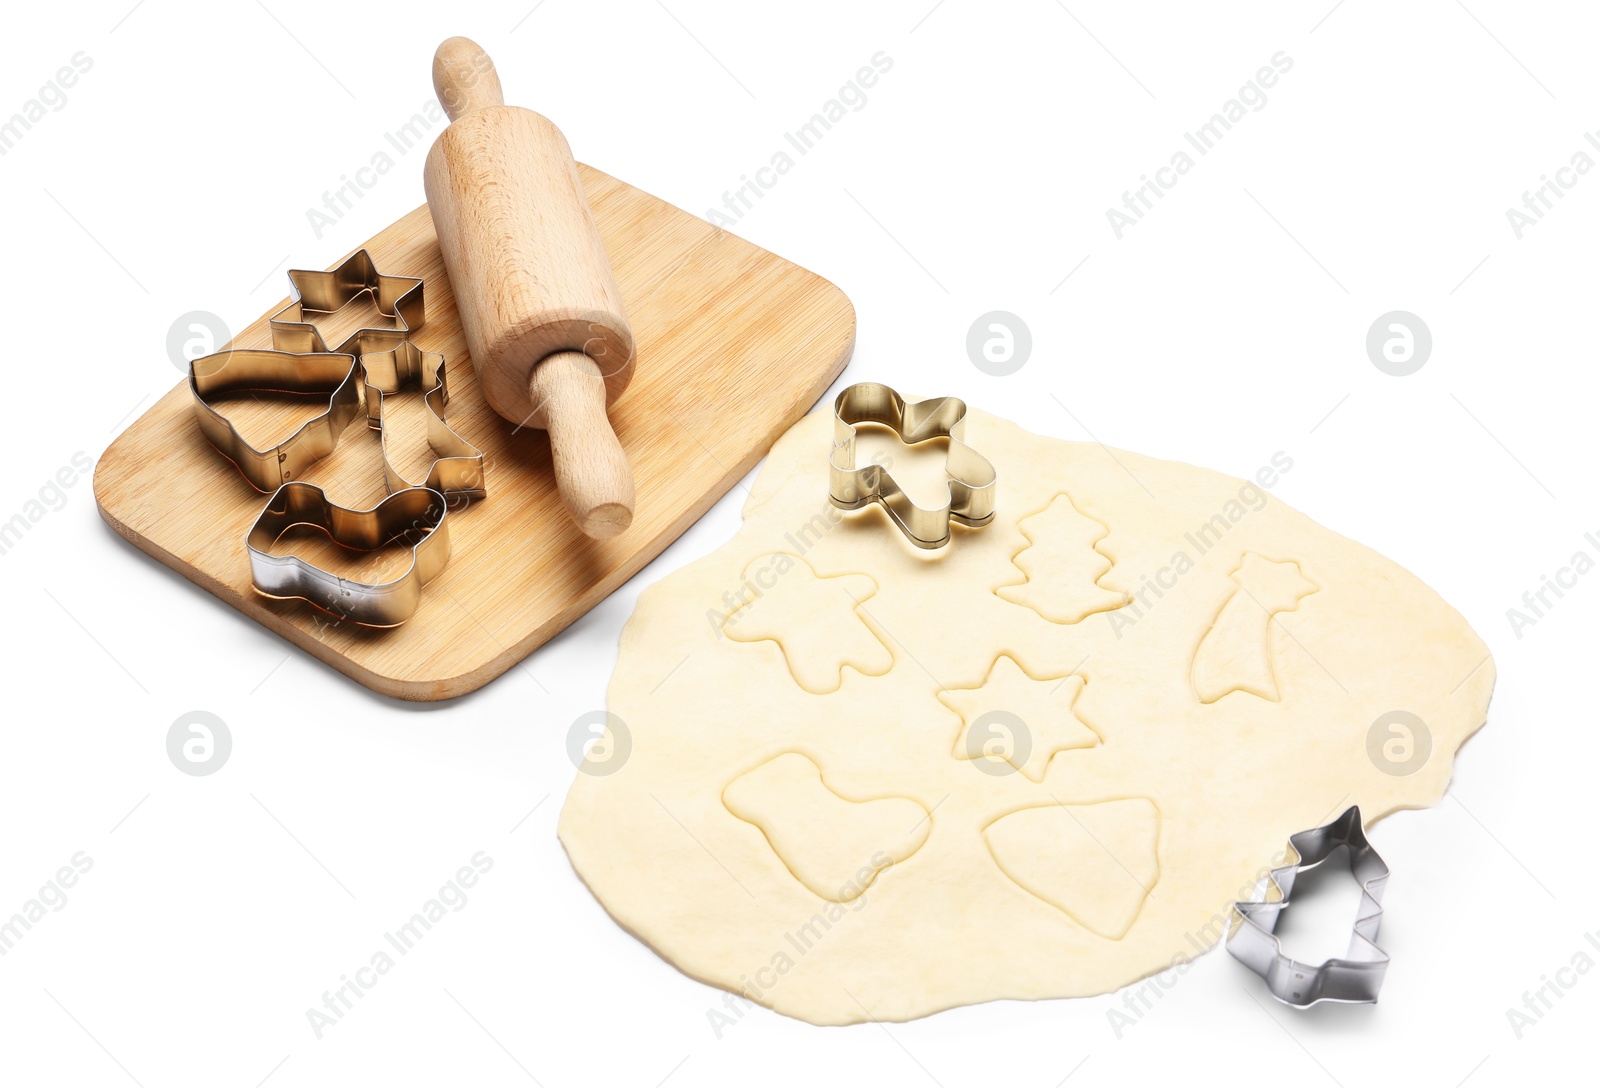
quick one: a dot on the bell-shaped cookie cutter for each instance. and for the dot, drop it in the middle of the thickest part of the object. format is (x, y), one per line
(313, 292)
(457, 468)
(971, 477)
(414, 515)
(240, 370)
(1357, 977)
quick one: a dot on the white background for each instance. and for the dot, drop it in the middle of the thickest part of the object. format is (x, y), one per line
(1228, 324)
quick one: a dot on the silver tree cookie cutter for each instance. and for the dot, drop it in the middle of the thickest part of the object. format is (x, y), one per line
(1354, 979)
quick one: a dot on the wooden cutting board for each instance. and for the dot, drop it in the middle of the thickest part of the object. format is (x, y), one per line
(735, 344)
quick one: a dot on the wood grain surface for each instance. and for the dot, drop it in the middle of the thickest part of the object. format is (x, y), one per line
(734, 345)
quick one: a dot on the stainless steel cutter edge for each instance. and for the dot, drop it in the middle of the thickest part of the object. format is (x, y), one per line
(1354, 979)
(416, 514)
(457, 471)
(240, 369)
(971, 478)
(326, 292)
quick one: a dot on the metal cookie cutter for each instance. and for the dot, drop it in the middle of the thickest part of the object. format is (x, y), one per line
(415, 515)
(311, 292)
(457, 469)
(1355, 979)
(971, 476)
(246, 369)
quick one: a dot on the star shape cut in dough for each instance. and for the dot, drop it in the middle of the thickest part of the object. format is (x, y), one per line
(1012, 719)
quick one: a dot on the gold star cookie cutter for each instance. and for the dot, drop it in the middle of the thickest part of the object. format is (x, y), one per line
(325, 293)
(970, 476)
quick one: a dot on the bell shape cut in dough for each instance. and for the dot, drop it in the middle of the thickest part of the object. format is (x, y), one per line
(833, 845)
(813, 618)
(1062, 565)
(1094, 863)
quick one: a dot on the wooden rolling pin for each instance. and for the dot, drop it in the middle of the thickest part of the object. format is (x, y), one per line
(539, 304)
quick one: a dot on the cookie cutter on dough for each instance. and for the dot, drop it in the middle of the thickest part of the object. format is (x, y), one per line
(1354, 979)
(312, 292)
(971, 477)
(414, 514)
(245, 369)
(457, 468)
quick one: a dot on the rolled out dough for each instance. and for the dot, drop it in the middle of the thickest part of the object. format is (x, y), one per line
(872, 782)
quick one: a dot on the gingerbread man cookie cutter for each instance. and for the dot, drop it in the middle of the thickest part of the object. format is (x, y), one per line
(1354, 979)
(457, 471)
(325, 293)
(970, 476)
(414, 515)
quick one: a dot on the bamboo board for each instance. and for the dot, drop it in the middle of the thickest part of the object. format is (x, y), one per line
(734, 345)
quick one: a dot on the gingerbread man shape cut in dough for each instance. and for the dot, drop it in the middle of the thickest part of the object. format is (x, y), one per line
(813, 618)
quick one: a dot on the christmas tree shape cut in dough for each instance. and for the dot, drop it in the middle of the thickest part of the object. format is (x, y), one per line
(1013, 722)
(1095, 863)
(1062, 565)
(813, 618)
(834, 845)
(1235, 653)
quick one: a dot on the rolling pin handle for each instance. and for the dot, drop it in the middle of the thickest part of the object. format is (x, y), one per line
(464, 77)
(591, 469)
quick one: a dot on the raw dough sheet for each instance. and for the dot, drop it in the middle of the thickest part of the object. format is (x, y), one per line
(864, 781)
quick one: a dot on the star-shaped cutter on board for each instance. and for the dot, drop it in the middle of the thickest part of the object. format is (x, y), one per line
(970, 476)
(1354, 979)
(397, 297)
(457, 470)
